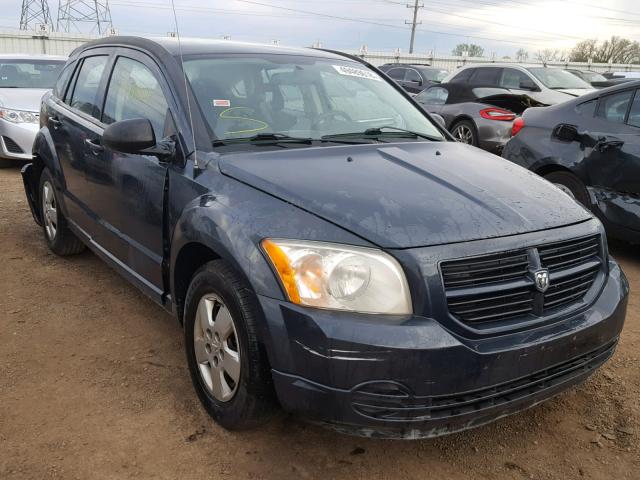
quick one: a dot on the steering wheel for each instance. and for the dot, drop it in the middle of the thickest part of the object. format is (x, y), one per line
(330, 115)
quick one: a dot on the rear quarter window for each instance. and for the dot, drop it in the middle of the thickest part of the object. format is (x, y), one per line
(587, 109)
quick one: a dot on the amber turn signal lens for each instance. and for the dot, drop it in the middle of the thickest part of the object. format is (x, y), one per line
(285, 271)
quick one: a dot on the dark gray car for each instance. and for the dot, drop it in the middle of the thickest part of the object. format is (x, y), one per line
(590, 147)
(482, 117)
(414, 77)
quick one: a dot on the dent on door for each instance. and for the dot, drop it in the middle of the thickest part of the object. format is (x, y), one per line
(613, 166)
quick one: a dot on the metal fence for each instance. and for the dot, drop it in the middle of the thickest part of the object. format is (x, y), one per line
(451, 63)
(57, 43)
(54, 43)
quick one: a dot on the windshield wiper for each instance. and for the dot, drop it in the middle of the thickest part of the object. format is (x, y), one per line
(378, 131)
(264, 138)
(277, 138)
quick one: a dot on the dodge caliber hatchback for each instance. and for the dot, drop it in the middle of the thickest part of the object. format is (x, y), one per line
(23, 81)
(327, 247)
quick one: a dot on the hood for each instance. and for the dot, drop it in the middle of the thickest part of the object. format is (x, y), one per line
(22, 98)
(409, 194)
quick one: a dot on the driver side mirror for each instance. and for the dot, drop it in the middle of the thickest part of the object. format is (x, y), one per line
(439, 119)
(129, 136)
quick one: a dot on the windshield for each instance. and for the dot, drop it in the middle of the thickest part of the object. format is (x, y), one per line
(593, 77)
(25, 73)
(555, 78)
(298, 96)
(434, 75)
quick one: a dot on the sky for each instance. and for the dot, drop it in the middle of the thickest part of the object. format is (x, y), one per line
(501, 27)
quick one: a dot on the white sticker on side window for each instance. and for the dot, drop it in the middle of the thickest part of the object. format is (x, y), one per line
(357, 72)
(222, 103)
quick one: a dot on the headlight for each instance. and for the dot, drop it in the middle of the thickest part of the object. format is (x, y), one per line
(18, 116)
(339, 277)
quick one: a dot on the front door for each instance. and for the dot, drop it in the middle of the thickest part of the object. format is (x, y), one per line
(136, 90)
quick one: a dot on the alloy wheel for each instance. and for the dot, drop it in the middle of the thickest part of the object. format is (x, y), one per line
(216, 348)
(463, 134)
(49, 210)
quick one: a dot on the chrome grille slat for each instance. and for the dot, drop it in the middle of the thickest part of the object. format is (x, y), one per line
(499, 287)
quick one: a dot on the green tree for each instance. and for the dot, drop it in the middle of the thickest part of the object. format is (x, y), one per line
(472, 50)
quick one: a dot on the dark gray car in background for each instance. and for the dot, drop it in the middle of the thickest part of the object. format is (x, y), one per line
(414, 77)
(590, 147)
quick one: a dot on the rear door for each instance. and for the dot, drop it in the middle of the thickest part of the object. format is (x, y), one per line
(75, 128)
(611, 165)
(135, 191)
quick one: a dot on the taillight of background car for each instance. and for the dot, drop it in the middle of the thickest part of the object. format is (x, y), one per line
(518, 124)
(493, 113)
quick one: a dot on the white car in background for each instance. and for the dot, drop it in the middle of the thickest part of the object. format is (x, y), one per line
(24, 79)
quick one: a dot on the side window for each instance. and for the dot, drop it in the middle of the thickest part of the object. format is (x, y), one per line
(85, 91)
(396, 73)
(613, 108)
(60, 87)
(512, 78)
(485, 77)
(134, 92)
(412, 76)
(588, 109)
(433, 96)
(634, 113)
(463, 76)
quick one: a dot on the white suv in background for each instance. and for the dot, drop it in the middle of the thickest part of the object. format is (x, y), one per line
(24, 79)
(547, 85)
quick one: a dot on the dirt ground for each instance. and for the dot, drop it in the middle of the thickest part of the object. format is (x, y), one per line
(94, 385)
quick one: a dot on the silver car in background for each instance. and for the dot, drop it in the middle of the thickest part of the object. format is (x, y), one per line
(480, 116)
(24, 79)
(546, 85)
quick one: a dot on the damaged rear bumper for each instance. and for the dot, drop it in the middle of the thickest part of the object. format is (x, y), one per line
(408, 377)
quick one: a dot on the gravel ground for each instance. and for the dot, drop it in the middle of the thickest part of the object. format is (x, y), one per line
(93, 385)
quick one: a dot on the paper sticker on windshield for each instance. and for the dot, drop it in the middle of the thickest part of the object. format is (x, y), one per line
(222, 103)
(357, 72)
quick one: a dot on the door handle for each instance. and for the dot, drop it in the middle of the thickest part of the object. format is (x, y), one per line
(94, 146)
(55, 123)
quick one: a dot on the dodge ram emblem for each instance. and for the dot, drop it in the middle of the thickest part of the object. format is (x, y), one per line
(541, 278)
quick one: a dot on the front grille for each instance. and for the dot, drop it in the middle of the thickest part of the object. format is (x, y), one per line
(501, 287)
(11, 146)
(398, 404)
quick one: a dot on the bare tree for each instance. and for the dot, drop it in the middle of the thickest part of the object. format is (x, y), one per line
(522, 55)
(616, 50)
(550, 55)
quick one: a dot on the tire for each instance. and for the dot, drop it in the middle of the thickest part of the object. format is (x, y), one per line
(464, 131)
(59, 237)
(571, 184)
(216, 352)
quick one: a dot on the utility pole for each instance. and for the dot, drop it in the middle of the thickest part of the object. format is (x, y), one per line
(414, 23)
(34, 13)
(84, 16)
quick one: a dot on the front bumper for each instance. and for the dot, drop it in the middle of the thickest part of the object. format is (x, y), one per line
(409, 377)
(16, 140)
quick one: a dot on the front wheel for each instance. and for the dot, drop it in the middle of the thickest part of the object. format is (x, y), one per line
(228, 365)
(571, 185)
